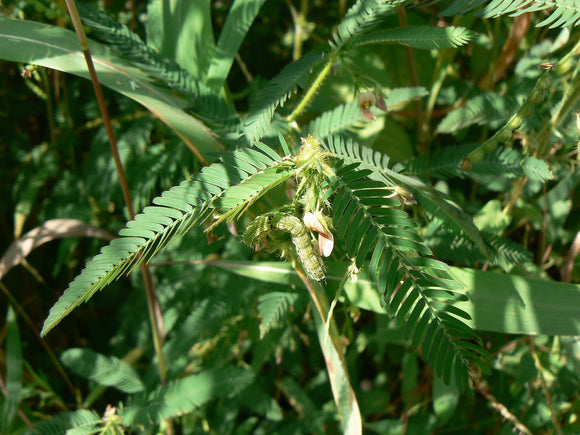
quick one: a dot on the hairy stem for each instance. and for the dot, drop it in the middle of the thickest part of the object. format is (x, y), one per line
(313, 89)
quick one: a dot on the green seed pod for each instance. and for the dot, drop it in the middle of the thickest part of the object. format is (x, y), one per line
(476, 155)
(564, 66)
(505, 134)
(545, 82)
(527, 110)
(537, 96)
(515, 122)
(313, 265)
(490, 145)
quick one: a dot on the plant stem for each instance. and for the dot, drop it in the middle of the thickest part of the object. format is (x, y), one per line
(437, 85)
(313, 89)
(404, 22)
(342, 390)
(152, 302)
(299, 19)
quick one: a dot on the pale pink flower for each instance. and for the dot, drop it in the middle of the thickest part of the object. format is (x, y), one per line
(365, 101)
(316, 222)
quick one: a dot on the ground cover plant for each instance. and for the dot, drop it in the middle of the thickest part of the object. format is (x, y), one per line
(271, 217)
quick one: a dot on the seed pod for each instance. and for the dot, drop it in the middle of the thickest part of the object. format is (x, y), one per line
(490, 145)
(515, 122)
(310, 259)
(527, 110)
(537, 96)
(563, 67)
(505, 134)
(545, 82)
(476, 155)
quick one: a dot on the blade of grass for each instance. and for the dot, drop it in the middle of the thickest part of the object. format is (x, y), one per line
(342, 390)
(54, 47)
(497, 302)
(13, 391)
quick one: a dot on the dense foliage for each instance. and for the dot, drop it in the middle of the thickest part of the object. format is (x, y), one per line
(345, 217)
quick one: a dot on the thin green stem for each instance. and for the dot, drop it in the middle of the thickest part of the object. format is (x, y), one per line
(313, 89)
(435, 89)
(569, 103)
(570, 97)
(404, 22)
(299, 19)
(152, 302)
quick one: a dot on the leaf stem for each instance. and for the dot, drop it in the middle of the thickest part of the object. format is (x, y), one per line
(404, 22)
(299, 19)
(313, 88)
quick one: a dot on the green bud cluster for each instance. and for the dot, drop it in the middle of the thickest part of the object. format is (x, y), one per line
(504, 134)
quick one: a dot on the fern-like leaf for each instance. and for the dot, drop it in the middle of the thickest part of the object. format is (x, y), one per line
(486, 108)
(401, 96)
(211, 108)
(341, 119)
(104, 370)
(492, 171)
(503, 252)
(509, 163)
(173, 213)
(240, 18)
(459, 7)
(442, 163)
(276, 92)
(362, 17)
(81, 421)
(273, 306)
(184, 395)
(417, 290)
(422, 37)
(566, 13)
(433, 200)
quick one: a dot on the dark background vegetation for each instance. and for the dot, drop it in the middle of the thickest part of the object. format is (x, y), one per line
(55, 163)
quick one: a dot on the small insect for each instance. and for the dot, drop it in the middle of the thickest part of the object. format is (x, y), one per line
(547, 66)
(311, 260)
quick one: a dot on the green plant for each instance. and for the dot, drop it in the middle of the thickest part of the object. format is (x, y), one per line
(302, 174)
